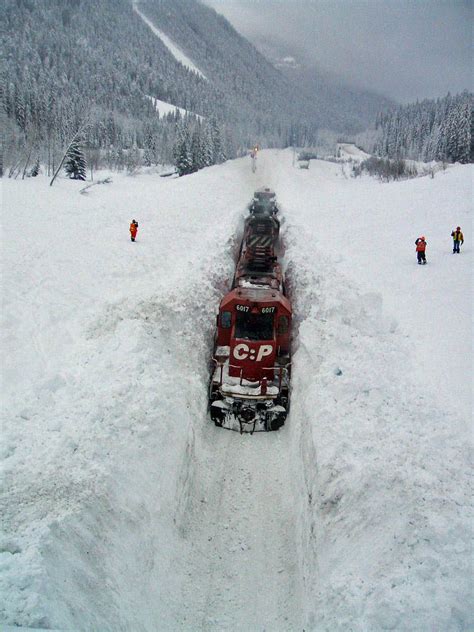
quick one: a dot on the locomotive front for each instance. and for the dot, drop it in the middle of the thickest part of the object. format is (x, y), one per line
(250, 381)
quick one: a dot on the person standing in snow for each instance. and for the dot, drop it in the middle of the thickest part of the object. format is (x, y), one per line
(420, 244)
(458, 238)
(133, 229)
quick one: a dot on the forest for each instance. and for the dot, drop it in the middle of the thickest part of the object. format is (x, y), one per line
(70, 86)
(440, 129)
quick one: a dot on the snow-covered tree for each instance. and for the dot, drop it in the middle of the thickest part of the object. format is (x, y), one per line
(182, 150)
(133, 159)
(217, 149)
(207, 145)
(428, 130)
(35, 169)
(75, 163)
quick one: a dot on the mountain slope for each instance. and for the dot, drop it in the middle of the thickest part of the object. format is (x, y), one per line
(101, 62)
(249, 79)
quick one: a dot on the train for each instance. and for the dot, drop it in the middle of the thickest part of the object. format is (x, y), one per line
(251, 361)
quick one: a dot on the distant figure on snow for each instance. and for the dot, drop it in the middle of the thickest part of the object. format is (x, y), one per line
(458, 238)
(133, 229)
(420, 244)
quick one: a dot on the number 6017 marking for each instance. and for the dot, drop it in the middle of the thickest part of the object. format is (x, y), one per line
(268, 310)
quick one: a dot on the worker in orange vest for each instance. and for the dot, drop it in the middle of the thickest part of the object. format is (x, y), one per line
(133, 229)
(420, 244)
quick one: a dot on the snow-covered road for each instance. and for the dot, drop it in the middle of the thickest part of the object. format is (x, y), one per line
(124, 508)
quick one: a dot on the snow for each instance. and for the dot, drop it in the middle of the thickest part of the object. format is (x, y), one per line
(125, 508)
(167, 108)
(349, 151)
(177, 53)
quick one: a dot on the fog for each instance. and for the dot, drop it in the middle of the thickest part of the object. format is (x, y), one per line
(404, 49)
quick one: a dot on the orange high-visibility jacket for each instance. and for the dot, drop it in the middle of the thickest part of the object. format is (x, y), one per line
(420, 245)
(133, 229)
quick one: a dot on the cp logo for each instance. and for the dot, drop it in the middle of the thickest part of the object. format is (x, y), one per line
(243, 351)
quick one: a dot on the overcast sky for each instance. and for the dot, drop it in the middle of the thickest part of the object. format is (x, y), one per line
(405, 49)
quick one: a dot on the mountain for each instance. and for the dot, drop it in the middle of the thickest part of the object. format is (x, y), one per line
(337, 105)
(346, 108)
(106, 62)
(257, 86)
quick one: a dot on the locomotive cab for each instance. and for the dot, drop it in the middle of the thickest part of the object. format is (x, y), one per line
(250, 383)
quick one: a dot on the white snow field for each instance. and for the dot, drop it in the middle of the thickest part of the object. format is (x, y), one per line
(164, 108)
(125, 508)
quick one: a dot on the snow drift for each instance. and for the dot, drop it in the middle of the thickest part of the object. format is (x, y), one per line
(125, 508)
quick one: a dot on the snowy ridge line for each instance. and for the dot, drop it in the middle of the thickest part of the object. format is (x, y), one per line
(177, 53)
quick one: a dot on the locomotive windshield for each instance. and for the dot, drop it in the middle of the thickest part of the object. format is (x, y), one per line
(254, 326)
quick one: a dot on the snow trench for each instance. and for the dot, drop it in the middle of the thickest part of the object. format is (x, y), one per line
(177, 524)
(218, 547)
(126, 509)
(269, 531)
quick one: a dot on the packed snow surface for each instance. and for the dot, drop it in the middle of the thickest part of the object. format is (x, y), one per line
(125, 508)
(349, 151)
(177, 53)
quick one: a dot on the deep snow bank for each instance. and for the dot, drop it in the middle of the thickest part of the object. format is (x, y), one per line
(107, 347)
(385, 494)
(124, 508)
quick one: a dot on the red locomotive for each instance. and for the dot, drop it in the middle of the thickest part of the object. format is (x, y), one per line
(250, 383)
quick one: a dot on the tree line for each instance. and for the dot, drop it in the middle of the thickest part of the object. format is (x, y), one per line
(440, 129)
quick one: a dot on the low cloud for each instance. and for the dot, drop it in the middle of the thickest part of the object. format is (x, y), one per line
(405, 49)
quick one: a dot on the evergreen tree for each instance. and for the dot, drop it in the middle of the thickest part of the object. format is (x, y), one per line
(35, 169)
(217, 153)
(182, 151)
(149, 143)
(197, 155)
(133, 159)
(20, 111)
(75, 163)
(459, 140)
(207, 145)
